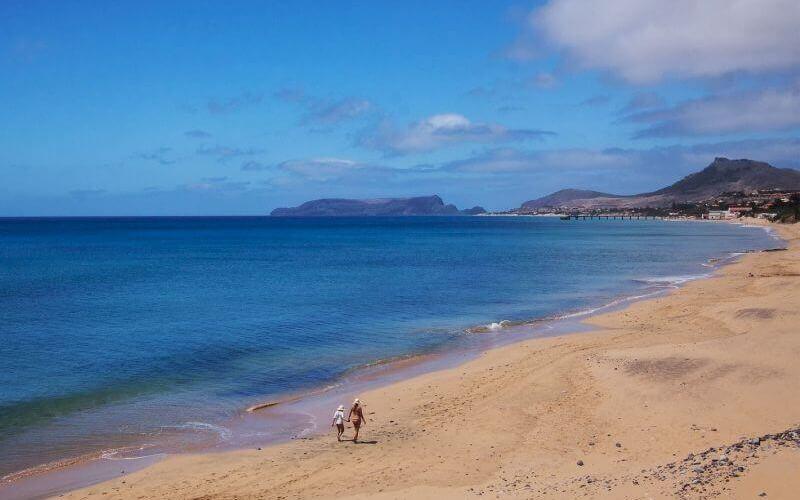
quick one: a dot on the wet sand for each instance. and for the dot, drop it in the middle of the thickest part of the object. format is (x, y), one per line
(688, 395)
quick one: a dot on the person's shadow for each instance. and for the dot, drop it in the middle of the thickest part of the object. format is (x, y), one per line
(364, 442)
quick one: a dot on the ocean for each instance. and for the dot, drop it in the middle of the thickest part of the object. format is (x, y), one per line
(124, 333)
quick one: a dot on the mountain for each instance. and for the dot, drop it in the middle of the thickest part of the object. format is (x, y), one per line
(339, 207)
(731, 175)
(564, 198)
(722, 175)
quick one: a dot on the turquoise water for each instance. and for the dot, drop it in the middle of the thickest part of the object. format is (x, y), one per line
(119, 330)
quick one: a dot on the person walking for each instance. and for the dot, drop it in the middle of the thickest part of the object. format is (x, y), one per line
(356, 416)
(338, 421)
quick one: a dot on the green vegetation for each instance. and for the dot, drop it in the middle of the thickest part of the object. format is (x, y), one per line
(788, 211)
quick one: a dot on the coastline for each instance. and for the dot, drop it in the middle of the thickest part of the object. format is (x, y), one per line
(378, 405)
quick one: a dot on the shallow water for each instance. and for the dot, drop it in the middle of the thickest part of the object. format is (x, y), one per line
(127, 331)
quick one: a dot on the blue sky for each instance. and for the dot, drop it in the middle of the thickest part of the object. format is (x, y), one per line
(130, 108)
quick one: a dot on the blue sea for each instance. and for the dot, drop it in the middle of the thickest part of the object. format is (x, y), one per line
(115, 331)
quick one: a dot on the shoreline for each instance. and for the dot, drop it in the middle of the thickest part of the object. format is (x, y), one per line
(85, 470)
(586, 317)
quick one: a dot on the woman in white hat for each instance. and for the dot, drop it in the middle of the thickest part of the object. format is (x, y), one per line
(357, 417)
(338, 421)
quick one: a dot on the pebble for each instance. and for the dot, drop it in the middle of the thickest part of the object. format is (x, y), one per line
(580, 463)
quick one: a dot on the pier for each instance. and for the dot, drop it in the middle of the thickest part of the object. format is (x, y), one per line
(611, 216)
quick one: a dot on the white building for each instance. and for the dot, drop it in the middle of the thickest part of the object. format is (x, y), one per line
(720, 215)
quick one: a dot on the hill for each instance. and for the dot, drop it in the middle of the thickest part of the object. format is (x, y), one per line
(564, 198)
(722, 175)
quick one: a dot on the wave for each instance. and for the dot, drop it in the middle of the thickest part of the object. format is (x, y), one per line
(672, 281)
(223, 433)
(608, 305)
(112, 453)
(768, 229)
(659, 283)
(493, 327)
(309, 429)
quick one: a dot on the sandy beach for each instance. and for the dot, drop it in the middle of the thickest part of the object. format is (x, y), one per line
(688, 395)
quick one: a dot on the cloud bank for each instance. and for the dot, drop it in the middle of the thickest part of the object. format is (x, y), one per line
(439, 131)
(756, 111)
(645, 41)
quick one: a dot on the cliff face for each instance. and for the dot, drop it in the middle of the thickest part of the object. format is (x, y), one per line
(722, 175)
(339, 207)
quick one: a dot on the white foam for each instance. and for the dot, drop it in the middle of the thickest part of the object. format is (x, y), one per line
(498, 326)
(673, 280)
(223, 432)
(109, 455)
(613, 303)
(769, 230)
(311, 427)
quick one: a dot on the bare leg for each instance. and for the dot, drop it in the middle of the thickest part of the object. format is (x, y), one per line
(355, 435)
(340, 429)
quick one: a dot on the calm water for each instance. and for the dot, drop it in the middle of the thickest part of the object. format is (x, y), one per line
(118, 330)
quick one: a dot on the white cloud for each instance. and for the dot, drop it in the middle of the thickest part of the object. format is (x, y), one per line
(645, 41)
(321, 169)
(758, 111)
(667, 161)
(515, 161)
(780, 152)
(442, 130)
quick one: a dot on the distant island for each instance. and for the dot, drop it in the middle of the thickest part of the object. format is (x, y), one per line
(342, 207)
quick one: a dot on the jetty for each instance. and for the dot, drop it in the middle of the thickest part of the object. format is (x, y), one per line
(611, 216)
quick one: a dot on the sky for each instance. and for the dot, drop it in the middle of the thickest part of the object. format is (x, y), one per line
(201, 108)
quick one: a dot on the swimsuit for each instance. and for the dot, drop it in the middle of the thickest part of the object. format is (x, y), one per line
(356, 417)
